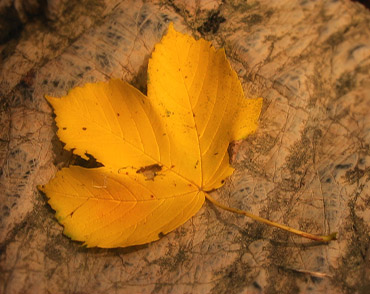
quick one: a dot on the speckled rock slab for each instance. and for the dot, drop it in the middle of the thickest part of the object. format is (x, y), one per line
(307, 166)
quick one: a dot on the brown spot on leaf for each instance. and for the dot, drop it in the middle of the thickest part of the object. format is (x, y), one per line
(150, 171)
(84, 129)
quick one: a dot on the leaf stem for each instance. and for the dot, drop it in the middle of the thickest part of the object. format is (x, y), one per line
(327, 238)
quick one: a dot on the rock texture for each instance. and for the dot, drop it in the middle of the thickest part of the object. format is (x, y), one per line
(308, 165)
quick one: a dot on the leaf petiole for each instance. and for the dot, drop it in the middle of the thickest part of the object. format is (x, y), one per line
(327, 238)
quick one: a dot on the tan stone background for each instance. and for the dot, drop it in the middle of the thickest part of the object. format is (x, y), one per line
(307, 166)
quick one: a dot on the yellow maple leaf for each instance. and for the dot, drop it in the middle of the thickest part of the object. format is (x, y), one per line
(161, 153)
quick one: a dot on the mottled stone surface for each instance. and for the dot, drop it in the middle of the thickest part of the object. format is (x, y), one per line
(307, 166)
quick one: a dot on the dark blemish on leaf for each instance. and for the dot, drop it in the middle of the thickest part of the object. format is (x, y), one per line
(161, 235)
(212, 24)
(172, 166)
(64, 128)
(215, 153)
(196, 164)
(223, 181)
(152, 196)
(84, 129)
(118, 114)
(150, 171)
(189, 185)
(186, 77)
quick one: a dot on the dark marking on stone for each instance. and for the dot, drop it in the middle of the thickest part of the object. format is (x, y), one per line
(252, 19)
(354, 175)
(28, 78)
(102, 59)
(343, 166)
(345, 84)
(212, 24)
(10, 24)
(256, 285)
(335, 39)
(55, 83)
